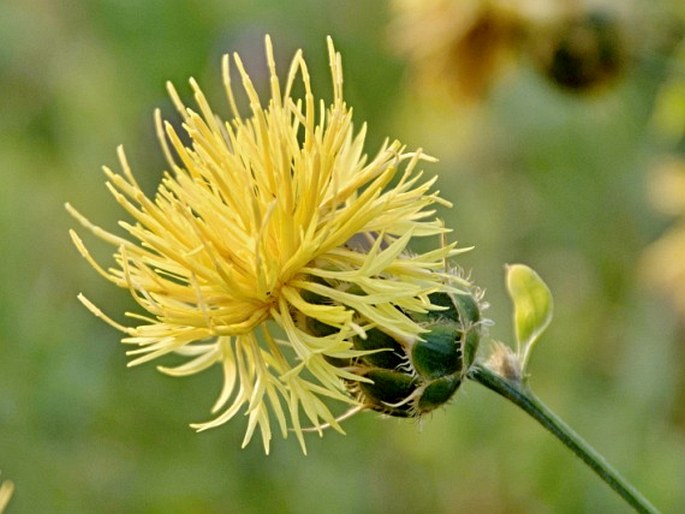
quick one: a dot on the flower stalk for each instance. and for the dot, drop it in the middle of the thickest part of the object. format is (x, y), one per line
(521, 395)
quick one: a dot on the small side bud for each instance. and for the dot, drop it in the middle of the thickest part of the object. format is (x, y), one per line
(505, 363)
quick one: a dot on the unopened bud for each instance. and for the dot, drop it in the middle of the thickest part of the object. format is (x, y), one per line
(408, 379)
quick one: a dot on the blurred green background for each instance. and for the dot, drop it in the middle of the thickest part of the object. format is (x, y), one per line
(540, 176)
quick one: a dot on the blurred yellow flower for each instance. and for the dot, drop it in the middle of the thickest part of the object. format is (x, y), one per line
(256, 229)
(461, 44)
(465, 46)
(582, 51)
(6, 491)
(664, 261)
(669, 111)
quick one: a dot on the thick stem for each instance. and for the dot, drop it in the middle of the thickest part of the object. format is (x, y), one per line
(526, 400)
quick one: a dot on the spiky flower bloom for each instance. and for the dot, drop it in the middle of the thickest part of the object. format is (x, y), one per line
(256, 228)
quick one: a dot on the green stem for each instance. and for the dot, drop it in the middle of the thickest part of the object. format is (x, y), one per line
(524, 398)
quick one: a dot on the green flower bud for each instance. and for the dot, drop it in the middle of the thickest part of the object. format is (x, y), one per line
(411, 380)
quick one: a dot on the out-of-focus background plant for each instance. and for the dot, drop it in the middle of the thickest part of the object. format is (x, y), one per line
(541, 172)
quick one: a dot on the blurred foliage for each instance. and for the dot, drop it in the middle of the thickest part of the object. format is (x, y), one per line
(537, 175)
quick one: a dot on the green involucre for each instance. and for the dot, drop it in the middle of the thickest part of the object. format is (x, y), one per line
(411, 379)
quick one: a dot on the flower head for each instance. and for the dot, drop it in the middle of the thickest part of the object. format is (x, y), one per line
(461, 44)
(582, 51)
(255, 232)
(466, 46)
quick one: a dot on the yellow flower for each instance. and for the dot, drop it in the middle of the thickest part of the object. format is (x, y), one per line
(663, 263)
(257, 228)
(463, 45)
(466, 46)
(6, 490)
